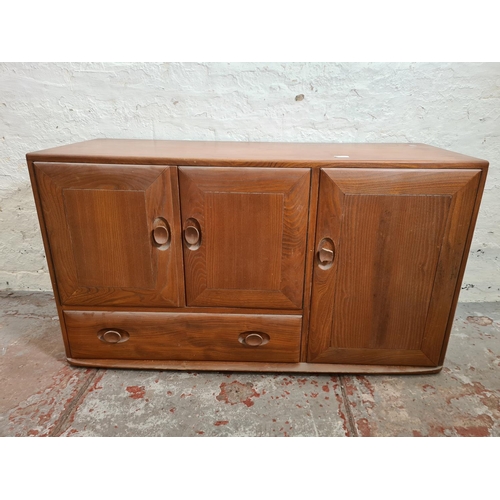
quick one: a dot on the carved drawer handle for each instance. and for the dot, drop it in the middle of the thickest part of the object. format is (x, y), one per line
(254, 339)
(113, 336)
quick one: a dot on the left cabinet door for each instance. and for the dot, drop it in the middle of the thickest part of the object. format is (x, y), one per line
(113, 233)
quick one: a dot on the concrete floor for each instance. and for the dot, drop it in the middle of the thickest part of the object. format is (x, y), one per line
(43, 396)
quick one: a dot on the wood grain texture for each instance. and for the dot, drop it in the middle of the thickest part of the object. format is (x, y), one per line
(194, 310)
(310, 259)
(181, 336)
(399, 238)
(262, 154)
(246, 366)
(386, 263)
(102, 248)
(401, 217)
(398, 182)
(465, 255)
(243, 253)
(450, 259)
(99, 220)
(375, 356)
(253, 225)
(45, 238)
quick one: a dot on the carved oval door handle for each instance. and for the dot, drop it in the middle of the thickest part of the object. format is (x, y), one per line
(113, 336)
(325, 256)
(192, 235)
(161, 235)
(326, 253)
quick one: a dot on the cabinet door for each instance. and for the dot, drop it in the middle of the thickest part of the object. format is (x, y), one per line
(113, 233)
(396, 237)
(244, 236)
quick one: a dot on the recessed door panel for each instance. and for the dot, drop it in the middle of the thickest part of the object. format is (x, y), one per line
(398, 237)
(248, 263)
(102, 248)
(113, 232)
(244, 236)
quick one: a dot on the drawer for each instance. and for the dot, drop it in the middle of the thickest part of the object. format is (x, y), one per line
(183, 336)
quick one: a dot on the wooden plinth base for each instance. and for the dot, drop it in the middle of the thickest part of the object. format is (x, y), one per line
(253, 367)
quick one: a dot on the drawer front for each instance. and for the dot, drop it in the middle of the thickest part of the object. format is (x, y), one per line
(182, 336)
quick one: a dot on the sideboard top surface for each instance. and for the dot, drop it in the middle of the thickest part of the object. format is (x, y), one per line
(219, 153)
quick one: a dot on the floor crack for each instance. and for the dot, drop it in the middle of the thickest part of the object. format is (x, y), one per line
(350, 417)
(58, 429)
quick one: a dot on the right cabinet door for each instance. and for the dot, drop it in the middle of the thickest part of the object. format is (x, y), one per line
(389, 245)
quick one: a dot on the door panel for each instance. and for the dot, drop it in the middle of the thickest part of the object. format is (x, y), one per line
(252, 225)
(398, 238)
(261, 269)
(95, 246)
(100, 220)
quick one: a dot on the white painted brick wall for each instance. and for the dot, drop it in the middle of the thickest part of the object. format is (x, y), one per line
(454, 106)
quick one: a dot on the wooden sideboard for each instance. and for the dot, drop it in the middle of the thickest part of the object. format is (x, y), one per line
(341, 258)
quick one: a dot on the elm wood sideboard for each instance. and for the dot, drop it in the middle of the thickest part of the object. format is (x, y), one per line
(256, 256)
